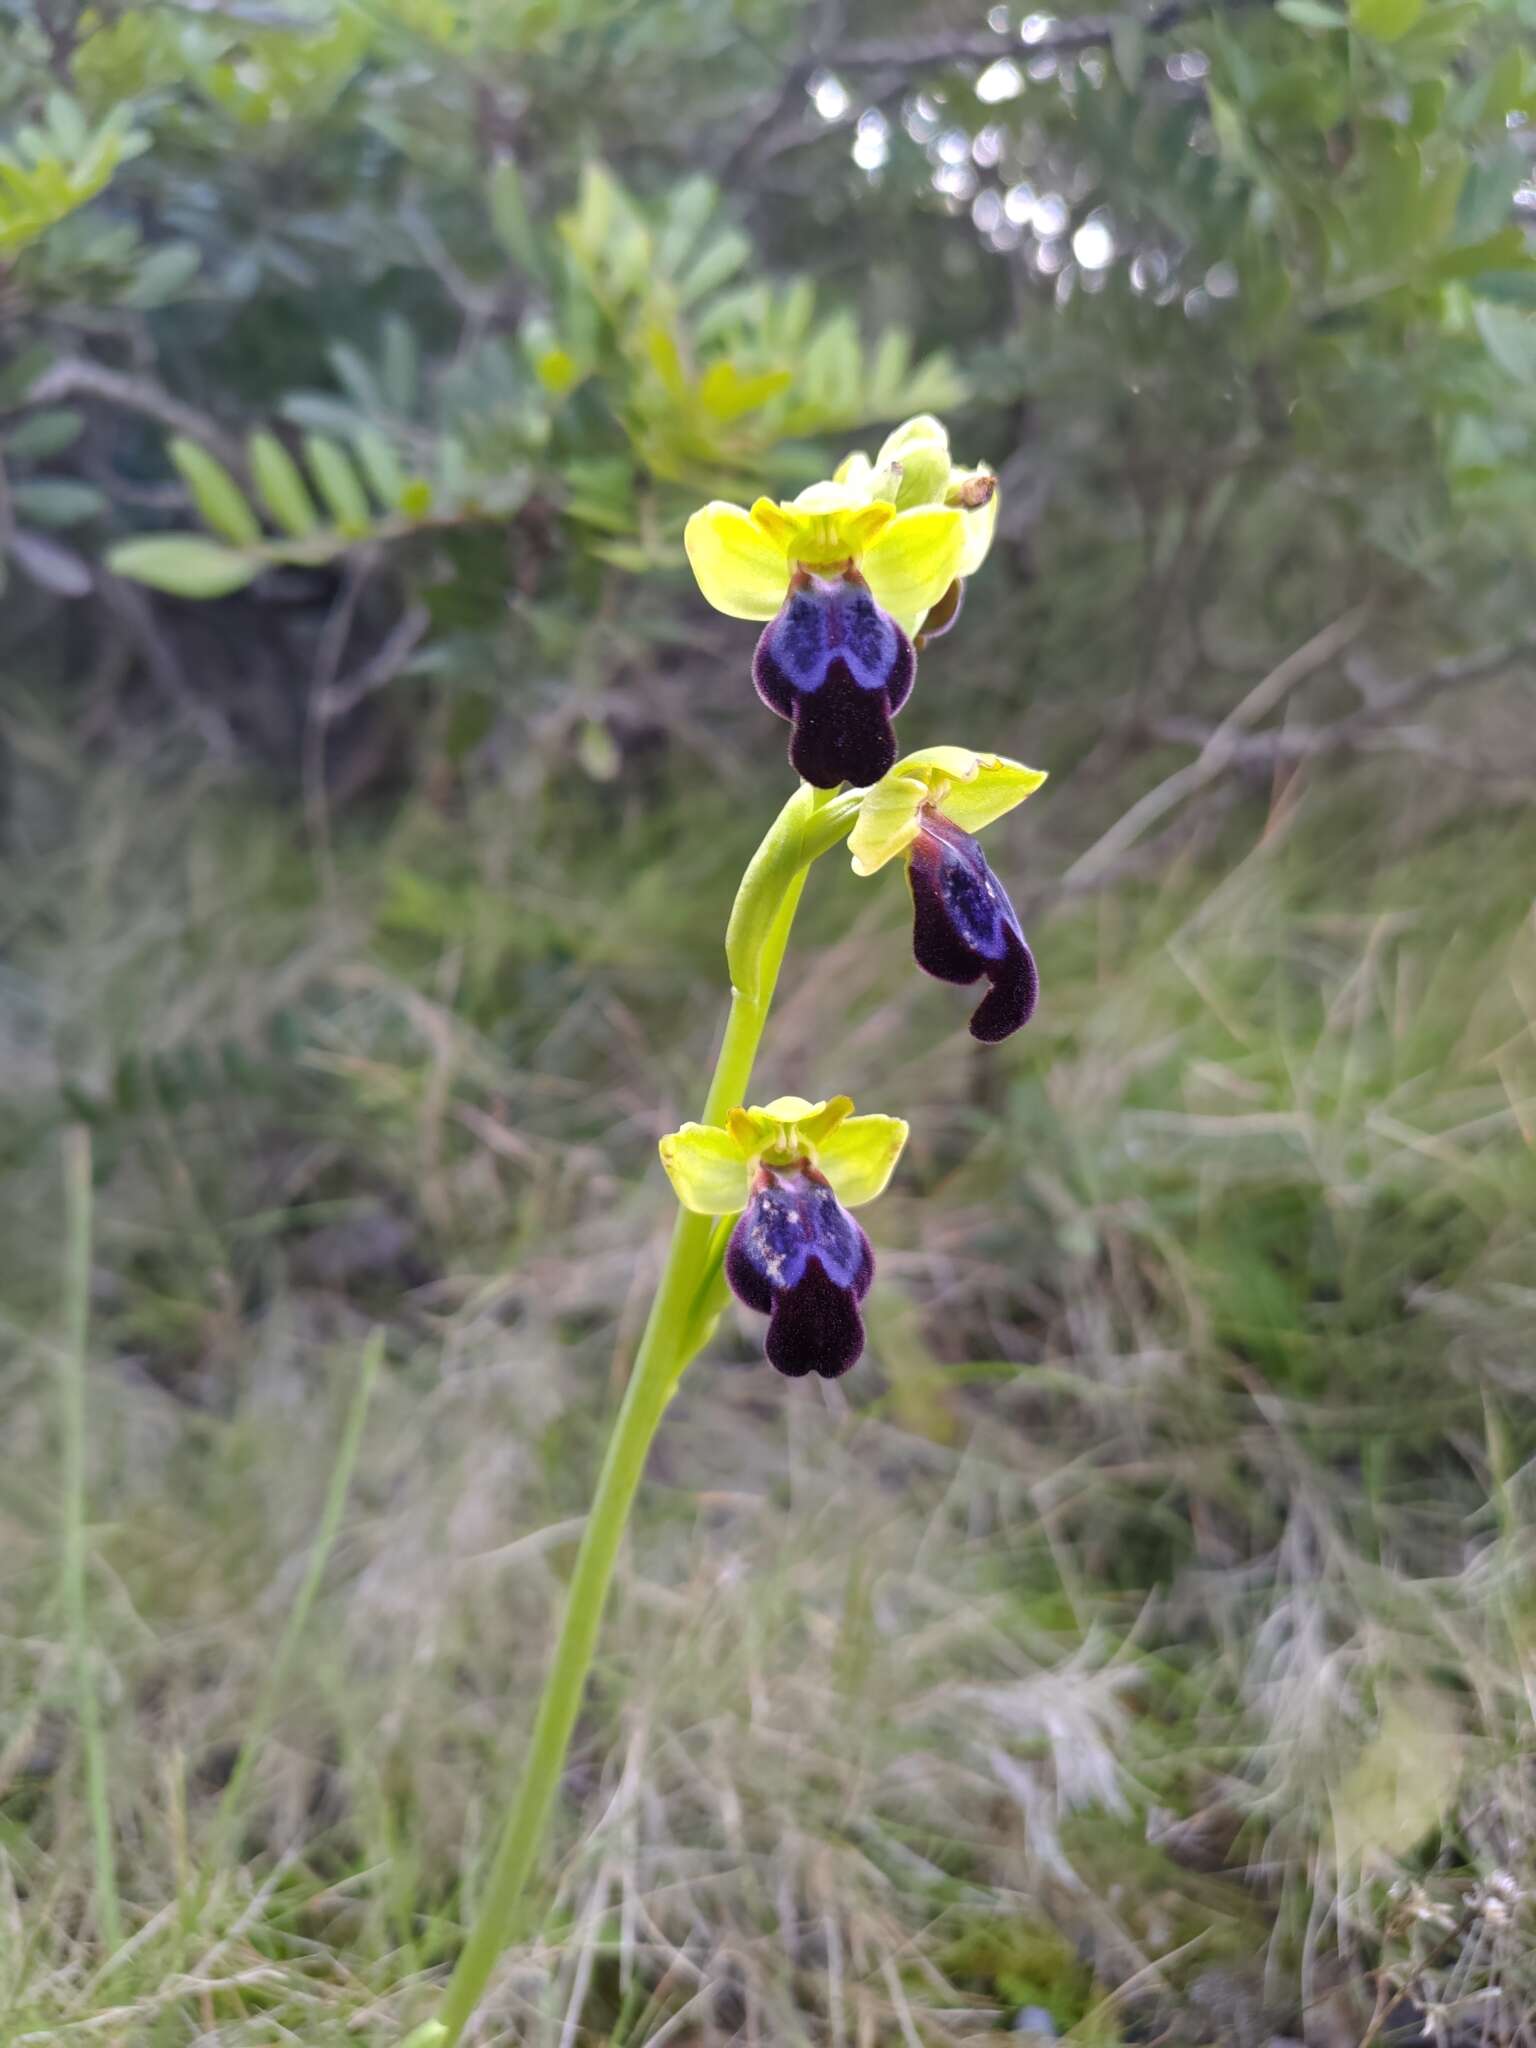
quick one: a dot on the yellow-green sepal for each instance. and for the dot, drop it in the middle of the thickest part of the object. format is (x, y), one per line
(860, 1155)
(921, 477)
(995, 787)
(887, 822)
(708, 1169)
(920, 433)
(971, 790)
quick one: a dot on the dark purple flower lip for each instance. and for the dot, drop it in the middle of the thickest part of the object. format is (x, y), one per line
(840, 669)
(798, 1257)
(963, 927)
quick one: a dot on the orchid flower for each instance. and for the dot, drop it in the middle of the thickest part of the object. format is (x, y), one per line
(793, 1170)
(963, 925)
(847, 575)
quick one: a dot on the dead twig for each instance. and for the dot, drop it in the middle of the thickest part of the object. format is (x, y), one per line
(1220, 749)
(1089, 32)
(1376, 726)
(328, 659)
(340, 698)
(78, 377)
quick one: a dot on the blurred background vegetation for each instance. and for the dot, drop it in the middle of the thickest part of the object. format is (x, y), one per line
(1140, 1646)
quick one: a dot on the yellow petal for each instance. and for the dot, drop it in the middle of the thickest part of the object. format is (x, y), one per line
(825, 1118)
(707, 1170)
(859, 1156)
(740, 568)
(777, 521)
(824, 535)
(862, 528)
(887, 821)
(747, 1127)
(854, 471)
(913, 561)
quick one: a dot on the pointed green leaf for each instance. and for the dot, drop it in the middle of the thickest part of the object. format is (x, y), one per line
(357, 377)
(185, 564)
(689, 207)
(511, 218)
(721, 259)
(163, 275)
(340, 485)
(57, 500)
(43, 434)
(400, 372)
(1508, 287)
(50, 564)
(1509, 337)
(215, 493)
(1128, 47)
(1386, 20)
(67, 123)
(381, 465)
(726, 395)
(1311, 14)
(889, 364)
(280, 486)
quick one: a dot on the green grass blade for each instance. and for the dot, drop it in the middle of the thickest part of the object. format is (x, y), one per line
(298, 1615)
(77, 1312)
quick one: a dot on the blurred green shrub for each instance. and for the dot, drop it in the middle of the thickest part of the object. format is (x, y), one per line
(646, 364)
(412, 271)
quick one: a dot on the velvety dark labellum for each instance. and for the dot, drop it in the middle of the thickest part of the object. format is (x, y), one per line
(963, 926)
(841, 669)
(798, 1257)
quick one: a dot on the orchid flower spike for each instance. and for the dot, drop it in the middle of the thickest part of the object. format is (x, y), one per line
(793, 1170)
(847, 576)
(963, 925)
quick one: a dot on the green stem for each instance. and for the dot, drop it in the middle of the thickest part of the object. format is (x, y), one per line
(77, 1309)
(676, 1328)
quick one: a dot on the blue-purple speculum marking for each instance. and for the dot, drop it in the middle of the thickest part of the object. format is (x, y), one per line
(798, 1257)
(963, 927)
(841, 668)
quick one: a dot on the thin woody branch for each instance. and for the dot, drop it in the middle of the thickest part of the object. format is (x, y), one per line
(79, 377)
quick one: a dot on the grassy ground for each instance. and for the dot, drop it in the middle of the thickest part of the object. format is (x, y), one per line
(1143, 1637)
